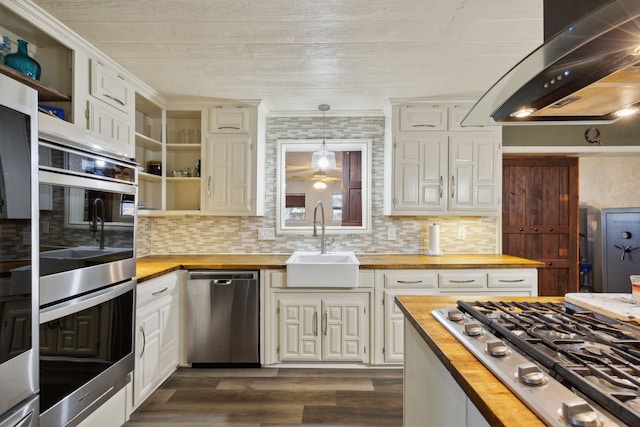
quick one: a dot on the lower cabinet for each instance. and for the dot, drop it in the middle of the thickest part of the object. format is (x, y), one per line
(157, 329)
(329, 327)
(482, 282)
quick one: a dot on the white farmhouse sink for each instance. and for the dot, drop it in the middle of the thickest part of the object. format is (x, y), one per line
(316, 270)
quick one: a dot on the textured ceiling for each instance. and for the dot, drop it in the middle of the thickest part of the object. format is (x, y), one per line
(296, 54)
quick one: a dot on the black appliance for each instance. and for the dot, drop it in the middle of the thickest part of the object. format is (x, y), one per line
(571, 366)
(18, 255)
(585, 72)
(87, 266)
(611, 246)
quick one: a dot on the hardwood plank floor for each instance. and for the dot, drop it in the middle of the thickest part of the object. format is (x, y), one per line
(274, 397)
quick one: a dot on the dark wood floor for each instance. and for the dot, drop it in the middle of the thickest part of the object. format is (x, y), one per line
(274, 397)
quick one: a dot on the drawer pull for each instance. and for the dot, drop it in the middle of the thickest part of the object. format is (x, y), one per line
(409, 282)
(156, 293)
(462, 281)
(423, 126)
(510, 280)
(228, 127)
(113, 98)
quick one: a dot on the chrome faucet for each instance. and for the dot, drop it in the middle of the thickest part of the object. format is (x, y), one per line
(323, 239)
(94, 222)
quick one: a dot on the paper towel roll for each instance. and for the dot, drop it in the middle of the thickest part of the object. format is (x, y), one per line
(434, 240)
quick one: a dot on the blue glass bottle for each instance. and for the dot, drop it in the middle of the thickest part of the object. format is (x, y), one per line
(21, 61)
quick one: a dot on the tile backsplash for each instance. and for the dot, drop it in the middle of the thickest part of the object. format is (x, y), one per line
(214, 234)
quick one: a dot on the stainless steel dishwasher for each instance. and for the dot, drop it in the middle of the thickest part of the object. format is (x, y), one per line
(223, 319)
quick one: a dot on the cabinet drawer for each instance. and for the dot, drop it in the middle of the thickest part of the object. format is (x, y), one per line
(462, 280)
(513, 279)
(229, 120)
(109, 86)
(423, 117)
(410, 279)
(148, 292)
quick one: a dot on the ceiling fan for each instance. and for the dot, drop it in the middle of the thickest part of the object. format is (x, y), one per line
(319, 175)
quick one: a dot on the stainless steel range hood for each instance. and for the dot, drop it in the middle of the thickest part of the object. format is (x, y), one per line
(585, 73)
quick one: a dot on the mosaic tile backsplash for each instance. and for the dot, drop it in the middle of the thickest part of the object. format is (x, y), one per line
(239, 235)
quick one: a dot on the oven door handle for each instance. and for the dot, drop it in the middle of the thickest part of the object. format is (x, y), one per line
(84, 302)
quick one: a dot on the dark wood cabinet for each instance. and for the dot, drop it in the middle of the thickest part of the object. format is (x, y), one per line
(540, 218)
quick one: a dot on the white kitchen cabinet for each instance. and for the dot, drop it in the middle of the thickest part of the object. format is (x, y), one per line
(421, 117)
(183, 152)
(228, 178)
(327, 327)
(110, 86)
(440, 171)
(483, 282)
(229, 119)
(430, 392)
(112, 124)
(157, 328)
(233, 161)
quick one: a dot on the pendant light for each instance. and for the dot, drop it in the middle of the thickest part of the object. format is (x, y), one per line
(323, 159)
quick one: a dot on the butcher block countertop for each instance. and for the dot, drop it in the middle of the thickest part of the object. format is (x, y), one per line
(493, 399)
(157, 265)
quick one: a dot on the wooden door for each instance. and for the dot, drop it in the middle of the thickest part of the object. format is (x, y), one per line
(352, 188)
(540, 218)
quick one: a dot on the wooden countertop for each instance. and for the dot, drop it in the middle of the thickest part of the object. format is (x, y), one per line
(157, 265)
(493, 399)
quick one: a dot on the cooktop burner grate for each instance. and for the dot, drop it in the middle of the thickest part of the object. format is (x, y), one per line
(597, 356)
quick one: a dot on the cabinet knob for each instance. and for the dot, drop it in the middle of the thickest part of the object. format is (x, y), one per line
(521, 229)
(550, 229)
(550, 263)
(535, 228)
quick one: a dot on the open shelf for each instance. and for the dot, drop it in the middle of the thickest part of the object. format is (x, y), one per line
(45, 93)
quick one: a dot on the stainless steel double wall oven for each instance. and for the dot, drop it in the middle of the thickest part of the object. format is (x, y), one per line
(87, 265)
(18, 251)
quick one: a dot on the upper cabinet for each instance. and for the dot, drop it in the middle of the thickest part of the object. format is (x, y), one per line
(110, 86)
(234, 160)
(441, 168)
(196, 168)
(55, 57)
(229, 119)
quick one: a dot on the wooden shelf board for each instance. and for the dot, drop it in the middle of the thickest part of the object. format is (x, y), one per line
(45, 93)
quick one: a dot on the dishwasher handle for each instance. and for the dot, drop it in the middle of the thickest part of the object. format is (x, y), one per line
(221, 282)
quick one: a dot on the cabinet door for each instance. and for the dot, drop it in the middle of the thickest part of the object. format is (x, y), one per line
(110, 86)
(420, 164)
(169, 321)
(473, 167)
(423, 117)
(299, 328)
(147, 362)
(111, 126)
(344, 328)
(229, 120)
(229, 175)
(393, 330)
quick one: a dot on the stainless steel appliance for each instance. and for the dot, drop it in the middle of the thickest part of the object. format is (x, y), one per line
(223, 319)
(586, 72)
(87, 265)
(18, 253)
(569, 365)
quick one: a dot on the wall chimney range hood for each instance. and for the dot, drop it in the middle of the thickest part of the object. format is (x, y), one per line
(585, 73)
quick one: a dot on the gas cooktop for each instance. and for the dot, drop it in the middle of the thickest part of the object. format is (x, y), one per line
(571, 366)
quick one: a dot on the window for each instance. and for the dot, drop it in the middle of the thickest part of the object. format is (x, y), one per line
(295, 209)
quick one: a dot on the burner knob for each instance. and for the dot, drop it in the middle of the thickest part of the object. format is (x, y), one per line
(454, 315)
(578, 412)
(473, 329)
(530, 374)
(496, 348)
